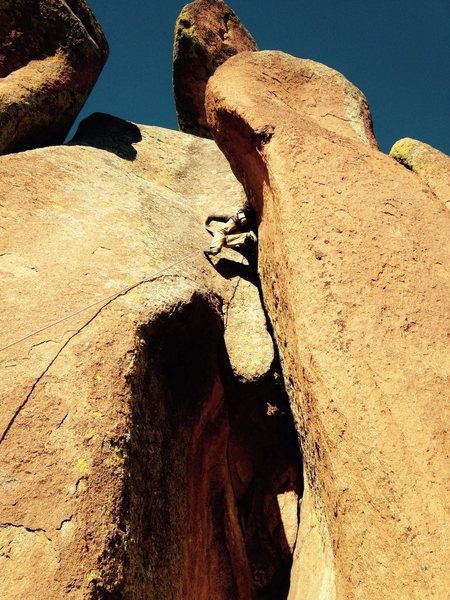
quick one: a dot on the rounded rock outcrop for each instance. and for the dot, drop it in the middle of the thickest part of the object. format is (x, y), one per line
(428, 163)
(142, 436)
(207, 33)
(354, 259)
(51, 54)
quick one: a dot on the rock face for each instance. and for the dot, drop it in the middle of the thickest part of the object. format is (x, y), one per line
(134, 447)
(354, 267)
(147, 448)
(431, 165)
(51, 53)
(207, 33)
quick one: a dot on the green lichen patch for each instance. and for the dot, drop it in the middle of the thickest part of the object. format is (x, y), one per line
(82, 466)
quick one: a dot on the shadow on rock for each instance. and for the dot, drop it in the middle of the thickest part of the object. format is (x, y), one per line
(214, 470)
(231, 268)
(108, 133)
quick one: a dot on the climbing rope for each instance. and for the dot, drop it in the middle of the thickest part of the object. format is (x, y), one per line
(106, 299)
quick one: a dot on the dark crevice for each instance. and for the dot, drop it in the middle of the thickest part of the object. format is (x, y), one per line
(402, 161)
(224, 32)
(205, 463)
(284, 437)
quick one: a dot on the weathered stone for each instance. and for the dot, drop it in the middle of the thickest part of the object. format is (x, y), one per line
(354, 266)
(207, 33)
(51, 53)
(116, 422)
(431, 165)
(242, 323)
(312, 574)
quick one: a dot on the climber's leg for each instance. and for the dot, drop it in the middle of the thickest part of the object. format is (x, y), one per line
(236, 240)
(219, 237)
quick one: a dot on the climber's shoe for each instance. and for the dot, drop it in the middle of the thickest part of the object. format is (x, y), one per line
(211, 252)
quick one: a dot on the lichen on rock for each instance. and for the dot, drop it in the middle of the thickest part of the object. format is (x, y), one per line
(428, 163)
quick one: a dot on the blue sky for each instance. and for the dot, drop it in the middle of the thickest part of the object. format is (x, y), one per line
(396, 51)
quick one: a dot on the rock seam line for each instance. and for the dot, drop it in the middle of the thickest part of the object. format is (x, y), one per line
(33, 387)
(106, 299)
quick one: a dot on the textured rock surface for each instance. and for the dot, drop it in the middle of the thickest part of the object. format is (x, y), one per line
(207, 33)
(354, 267)
(51, 53)
(115, 423)
(431, 165)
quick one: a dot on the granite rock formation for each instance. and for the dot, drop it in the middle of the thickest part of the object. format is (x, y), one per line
(428, 163)
(354, 268)
(207, 33)
(51, 53)
(147, 446)
(135, 447)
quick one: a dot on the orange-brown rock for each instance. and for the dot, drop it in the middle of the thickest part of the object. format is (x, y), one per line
(354, 263)
(207, 33)
(51, 53)
(431, 165)
(116, 423)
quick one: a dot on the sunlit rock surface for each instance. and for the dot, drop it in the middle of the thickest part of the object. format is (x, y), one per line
(354, 267)
(117, 421)
(207, 33)
(428, 163)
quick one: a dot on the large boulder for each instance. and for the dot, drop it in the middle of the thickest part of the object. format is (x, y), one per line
(428, 163)
(135, 448)
(354, 266)
(207, 33)
(51, 54)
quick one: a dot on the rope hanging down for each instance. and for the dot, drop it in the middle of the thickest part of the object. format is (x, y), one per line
(105, 300)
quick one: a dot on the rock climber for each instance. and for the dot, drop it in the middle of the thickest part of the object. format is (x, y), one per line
(237, 230)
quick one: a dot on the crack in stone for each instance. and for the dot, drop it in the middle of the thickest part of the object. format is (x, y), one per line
(101, 248)
(40, 344)
(299, 510)
(336, 117)
(33, 387)
(63, 522)
(230, 302)
(380, 273)
(82, 478)
(29, 529)
(62, 421)
(223, 34)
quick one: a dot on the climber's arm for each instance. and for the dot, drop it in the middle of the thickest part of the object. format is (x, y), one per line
(218, 217)
(221, 217)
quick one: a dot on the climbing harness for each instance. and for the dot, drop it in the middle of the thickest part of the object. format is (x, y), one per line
(105, 300)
